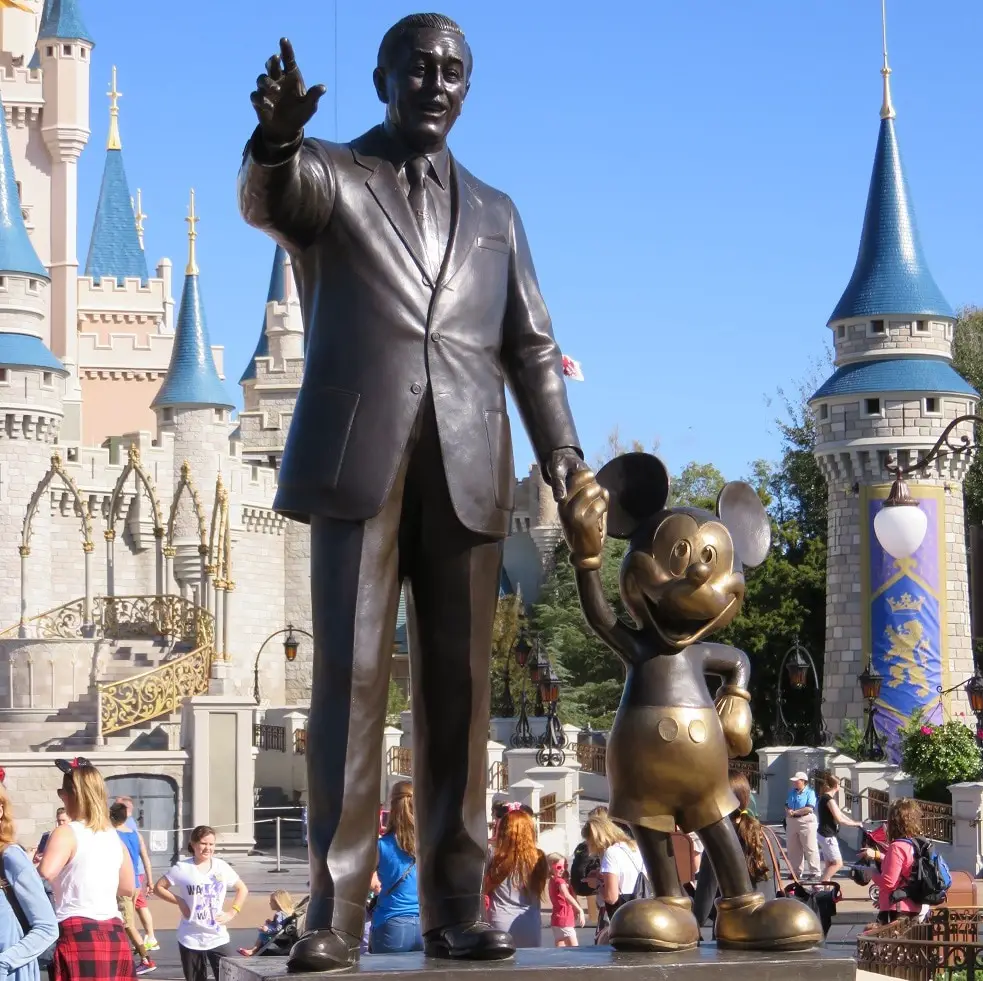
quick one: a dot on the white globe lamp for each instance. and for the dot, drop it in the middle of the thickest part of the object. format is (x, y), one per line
(900, 525)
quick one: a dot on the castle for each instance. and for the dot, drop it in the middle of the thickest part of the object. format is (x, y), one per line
(143, 561)
(891, 396)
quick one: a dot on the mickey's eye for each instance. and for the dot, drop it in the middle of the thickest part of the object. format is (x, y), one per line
(708, 555)
(679, 557)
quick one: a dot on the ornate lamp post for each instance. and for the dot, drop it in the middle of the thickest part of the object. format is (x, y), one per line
(871, 748)
(798, 663)
(290, 647)
(522, 738)
(553, 741)
(507, 706)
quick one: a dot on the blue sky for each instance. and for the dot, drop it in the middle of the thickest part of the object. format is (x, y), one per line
(692, 176)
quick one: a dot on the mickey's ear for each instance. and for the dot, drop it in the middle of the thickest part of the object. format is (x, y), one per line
(639, 487)
(741, 510)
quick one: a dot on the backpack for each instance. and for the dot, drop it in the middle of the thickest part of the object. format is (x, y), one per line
(930, 877)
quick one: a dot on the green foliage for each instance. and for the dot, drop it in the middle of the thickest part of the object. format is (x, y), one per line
(508, 621)
(696, 486)
(850, 739)
(396, 703)
(967, 359)
(936, 756)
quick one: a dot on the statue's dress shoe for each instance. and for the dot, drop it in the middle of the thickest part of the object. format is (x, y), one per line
(469, 941)
(323, 950)
(663, 924)
(751, 923)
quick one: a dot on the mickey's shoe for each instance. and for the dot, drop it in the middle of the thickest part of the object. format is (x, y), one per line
(474, 941)
(664, 924)
(752, 923)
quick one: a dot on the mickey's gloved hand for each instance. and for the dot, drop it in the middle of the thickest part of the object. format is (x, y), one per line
(734, 711)
(583, 515)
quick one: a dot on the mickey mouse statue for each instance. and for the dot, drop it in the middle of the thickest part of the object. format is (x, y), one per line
(681, 580)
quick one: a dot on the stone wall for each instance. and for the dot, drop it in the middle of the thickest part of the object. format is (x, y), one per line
(902, 417)
(297, 609)
(901, 336)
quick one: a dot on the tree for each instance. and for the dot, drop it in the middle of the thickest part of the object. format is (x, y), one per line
(967, 359)
(696, 486)
(613, 446)
(509, 618)
(396, 703)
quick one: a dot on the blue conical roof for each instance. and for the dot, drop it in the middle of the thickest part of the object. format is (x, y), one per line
(275, 293)
(115, 250)
(192, 379)
(891, 274)
(17, 254)
(61, 19)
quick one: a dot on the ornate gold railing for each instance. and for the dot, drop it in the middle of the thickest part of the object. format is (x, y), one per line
(123, 617)
(154, 693)
(592, 758)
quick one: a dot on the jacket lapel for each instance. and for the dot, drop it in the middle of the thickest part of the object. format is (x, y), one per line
(466, 222)
(383, 185)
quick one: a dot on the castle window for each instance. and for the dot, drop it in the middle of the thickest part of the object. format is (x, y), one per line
(872, 407)
(3, 283)
(841, 332)
(824, 411)
(948, 332)
(33, 285)
(66, 50)
(877, 327)
(50, 51)
(83, 53)
(921, 326)
(20, 191)
(168, 415)
(3, 376)
(932, 407)
(46, 379)
(219, 415)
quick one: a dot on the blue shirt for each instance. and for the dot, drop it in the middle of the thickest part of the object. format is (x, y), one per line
(19, 953)
(403, 900)
(131, 826)
(132, 841)
(800, 798)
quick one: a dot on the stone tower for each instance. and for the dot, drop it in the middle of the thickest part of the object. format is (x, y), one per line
(893, 392)
(64, 49)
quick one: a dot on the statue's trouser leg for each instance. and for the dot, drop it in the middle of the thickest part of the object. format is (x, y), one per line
(660, 862)
(454, 577)
(724, 850)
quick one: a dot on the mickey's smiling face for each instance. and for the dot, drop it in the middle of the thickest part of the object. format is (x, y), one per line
(678, 577)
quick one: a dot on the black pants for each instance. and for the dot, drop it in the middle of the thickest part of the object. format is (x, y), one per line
(356, 572)
(195, 963)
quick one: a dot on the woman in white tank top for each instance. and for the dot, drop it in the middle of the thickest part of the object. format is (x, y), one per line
(88, 867)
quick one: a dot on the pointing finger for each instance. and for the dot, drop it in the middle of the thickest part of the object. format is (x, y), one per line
(287, 53)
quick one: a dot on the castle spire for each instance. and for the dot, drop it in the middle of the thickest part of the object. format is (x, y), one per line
(17, 254)
(891, 275)
(61, 19)
(274, 294)
(192, 220)
(113, 141)
(887, 109)
(192, 380)
(138, 215)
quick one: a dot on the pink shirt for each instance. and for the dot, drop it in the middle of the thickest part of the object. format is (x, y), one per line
(563, 915)
(895, 873)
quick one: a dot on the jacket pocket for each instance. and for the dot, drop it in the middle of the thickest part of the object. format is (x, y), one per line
(499, 434)
(493, 243)
(319, 435)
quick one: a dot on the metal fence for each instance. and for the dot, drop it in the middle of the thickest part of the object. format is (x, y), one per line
(592, 758)
(270, 738)
(751, 770)
(400, 761)
(498, 776)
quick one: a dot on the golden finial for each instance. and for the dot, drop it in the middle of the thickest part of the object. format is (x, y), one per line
(887, 109)
(192, 220)
(113, 143)
(138, 214)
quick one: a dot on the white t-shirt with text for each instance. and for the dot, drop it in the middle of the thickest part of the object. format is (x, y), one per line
(203, 888)
(626, 863)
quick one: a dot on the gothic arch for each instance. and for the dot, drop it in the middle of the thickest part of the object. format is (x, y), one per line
(133, 465)
(186, 484)
(56, 470)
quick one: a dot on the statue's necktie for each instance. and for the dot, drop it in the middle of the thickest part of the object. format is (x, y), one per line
(421, 201)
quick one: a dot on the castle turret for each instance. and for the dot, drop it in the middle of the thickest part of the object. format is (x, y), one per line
(116, 247)
(893, 392)
(32, 383)
(64, 49)
(194, 407)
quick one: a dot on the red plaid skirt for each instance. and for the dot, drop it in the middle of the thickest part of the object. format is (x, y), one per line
(92, 950)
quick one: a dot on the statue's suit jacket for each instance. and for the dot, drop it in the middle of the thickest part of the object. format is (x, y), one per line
(379, 331)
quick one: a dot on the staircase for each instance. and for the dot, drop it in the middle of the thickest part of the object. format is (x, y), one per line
(271, 803)
(150, 654)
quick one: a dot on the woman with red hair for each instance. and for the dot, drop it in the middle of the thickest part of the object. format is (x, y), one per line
(516, 877)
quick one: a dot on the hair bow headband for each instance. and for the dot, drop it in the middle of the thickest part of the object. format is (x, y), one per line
(66, 766)
(513, 806)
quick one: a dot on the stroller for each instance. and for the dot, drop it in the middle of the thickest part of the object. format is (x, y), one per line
(860, 871)
(280, 943)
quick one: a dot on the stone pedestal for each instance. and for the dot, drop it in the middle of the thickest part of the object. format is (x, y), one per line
(220, 736)
(773, 764)
(706, 963)
(966, 852)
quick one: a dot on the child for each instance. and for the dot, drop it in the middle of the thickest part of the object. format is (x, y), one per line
(566, 909)
(117, 814)
(282, 904)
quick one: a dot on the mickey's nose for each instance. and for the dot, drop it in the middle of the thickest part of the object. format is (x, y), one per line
(698, 573)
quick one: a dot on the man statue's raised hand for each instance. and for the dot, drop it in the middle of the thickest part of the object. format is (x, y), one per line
(282, 102)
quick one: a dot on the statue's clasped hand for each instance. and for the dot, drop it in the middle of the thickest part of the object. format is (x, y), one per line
(583, 514)
(734, 711)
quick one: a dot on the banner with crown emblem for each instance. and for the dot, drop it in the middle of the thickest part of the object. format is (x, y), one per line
(906, 619)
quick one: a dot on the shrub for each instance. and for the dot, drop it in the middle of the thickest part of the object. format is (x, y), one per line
(935, 756)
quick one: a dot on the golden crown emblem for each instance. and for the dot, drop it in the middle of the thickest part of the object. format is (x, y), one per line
(907, 602)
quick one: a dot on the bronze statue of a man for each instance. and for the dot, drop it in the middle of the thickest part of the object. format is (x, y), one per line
(420, 302)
